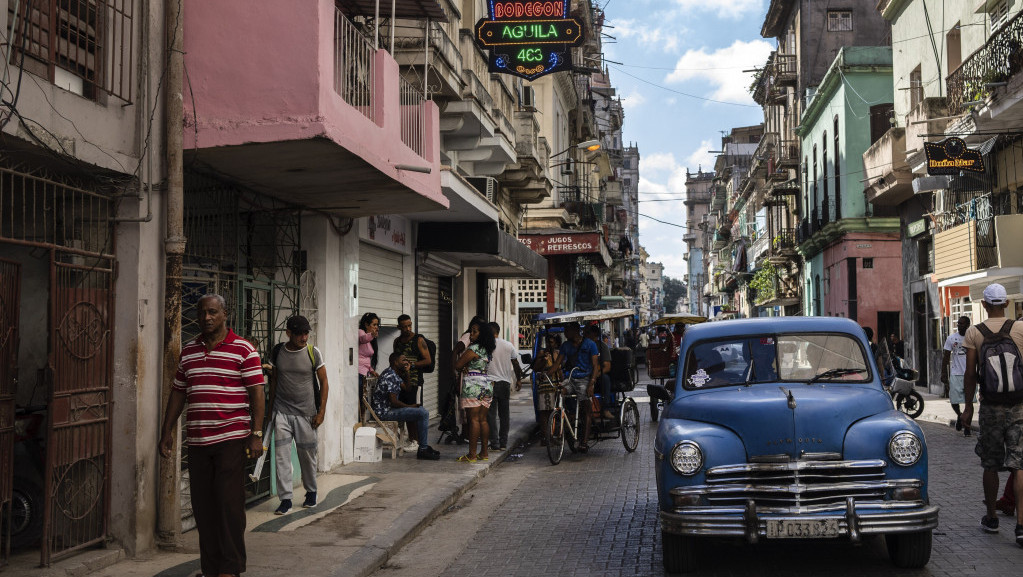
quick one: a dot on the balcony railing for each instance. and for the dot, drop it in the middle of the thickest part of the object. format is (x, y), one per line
(412, 125)
(353, 65)
(998, 60)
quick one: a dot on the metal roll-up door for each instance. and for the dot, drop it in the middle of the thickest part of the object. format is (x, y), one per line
(381, 282)
(428, 322)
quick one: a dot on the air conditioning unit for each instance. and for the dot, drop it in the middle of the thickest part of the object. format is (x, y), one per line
(487, 186)
(528, 97)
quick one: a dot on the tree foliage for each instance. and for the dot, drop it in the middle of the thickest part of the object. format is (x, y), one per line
(674, 290)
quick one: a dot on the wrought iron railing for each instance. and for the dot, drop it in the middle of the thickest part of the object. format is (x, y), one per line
(999, 59)
(91, 39)
(39, 211)
(783, 240)
(353, 65)
(412, 127)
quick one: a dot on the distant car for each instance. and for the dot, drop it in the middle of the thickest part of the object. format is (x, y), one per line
(780, 429)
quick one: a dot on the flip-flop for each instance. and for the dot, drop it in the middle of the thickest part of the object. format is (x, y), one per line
(465, 459)
(487, 458)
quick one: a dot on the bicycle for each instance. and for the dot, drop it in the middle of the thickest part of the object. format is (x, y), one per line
(562, 430)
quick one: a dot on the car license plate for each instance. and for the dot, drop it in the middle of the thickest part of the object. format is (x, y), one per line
(802, 529)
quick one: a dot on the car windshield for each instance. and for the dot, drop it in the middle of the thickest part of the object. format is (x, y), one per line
(818, 357)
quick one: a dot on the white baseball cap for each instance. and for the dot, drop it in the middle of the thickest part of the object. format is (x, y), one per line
(994, 294)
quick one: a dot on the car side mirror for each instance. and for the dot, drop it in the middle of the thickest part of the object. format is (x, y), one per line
(527, 359)
(659, 392)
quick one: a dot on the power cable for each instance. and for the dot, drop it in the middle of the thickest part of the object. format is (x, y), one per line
(679, 92)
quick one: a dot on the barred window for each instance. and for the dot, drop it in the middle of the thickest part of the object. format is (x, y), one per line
(840, 21)
(84, 46)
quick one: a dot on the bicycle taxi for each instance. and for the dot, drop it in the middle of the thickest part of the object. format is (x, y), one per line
(661, 357)
(558, 415)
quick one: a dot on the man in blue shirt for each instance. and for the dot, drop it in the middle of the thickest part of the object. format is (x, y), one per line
(389, 407)
(579, 357)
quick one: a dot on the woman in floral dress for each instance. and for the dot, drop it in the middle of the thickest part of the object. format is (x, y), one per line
(477, 389)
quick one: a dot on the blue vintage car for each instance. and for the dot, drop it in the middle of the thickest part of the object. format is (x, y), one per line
(780, 429)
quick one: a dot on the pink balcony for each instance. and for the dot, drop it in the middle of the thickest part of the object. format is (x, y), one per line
(292, 100)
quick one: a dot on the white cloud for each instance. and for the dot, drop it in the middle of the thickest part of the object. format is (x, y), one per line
(722, 8)
(645, 35)
(701, 157)
(656, 162)
(633, 100)
(722, 68)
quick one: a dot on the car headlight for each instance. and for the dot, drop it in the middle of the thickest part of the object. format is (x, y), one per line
(905, 448)
(686, 458)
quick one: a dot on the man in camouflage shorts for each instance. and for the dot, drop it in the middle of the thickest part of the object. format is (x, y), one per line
(1000, 445)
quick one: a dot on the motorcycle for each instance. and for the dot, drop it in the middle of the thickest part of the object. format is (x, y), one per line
(27, 492)
(898, 381)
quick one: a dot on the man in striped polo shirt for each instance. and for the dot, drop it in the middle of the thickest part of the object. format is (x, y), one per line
(221, 379)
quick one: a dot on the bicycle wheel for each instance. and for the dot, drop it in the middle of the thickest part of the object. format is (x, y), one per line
(630, 425)
(556, 436)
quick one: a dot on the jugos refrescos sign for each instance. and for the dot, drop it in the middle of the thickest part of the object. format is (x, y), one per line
(575, 243)
(529, 39)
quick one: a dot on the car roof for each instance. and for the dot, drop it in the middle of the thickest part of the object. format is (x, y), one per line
(771, 325)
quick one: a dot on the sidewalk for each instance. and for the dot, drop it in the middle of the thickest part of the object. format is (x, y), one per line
(367, 512)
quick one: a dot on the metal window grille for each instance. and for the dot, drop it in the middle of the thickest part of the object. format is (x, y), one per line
(91, 39)
(840, 21)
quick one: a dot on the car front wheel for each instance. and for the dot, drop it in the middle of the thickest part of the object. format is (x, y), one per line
(909, 550)
(679, 553)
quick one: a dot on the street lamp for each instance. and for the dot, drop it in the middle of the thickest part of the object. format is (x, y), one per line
(587, 145)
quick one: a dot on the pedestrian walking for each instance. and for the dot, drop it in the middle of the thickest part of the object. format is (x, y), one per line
(502, 370)
(298, 399)
(415, 351)
(953, 369)
(477, 389)
(993, 363)
(220, 377)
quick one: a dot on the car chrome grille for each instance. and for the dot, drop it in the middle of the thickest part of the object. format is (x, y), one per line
(796, 484)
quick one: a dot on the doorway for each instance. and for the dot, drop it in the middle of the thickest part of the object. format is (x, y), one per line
(920, 334)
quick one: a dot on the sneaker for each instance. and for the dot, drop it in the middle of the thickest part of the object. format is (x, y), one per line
(284, 507)
(495, 447)
(411, 446)
(310, 500)
(427, 454)
(989, 525)
(1019, 535)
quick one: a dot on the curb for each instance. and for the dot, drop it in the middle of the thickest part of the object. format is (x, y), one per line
(381, 548)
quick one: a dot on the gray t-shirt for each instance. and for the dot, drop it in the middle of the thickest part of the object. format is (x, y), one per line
(294, 372)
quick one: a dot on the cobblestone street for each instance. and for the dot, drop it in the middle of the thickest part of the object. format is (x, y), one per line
(596, 514)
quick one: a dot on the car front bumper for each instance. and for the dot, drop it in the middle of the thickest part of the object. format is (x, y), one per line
(854, 519)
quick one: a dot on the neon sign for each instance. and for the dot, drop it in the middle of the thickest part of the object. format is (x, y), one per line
(951, 156)
(529, 39)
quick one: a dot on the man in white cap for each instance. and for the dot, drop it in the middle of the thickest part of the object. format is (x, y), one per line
(993, 362)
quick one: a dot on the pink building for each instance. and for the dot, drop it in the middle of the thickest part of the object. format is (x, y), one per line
(292, 100)
(861, 272)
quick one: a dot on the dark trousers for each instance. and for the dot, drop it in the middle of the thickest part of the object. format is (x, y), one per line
(216, 475)
(499, 409)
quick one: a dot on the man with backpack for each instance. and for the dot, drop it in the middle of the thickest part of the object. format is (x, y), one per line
(416, 350)
(993, 363)
(298, 399)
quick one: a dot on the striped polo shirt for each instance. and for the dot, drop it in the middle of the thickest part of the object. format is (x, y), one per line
(216, 385)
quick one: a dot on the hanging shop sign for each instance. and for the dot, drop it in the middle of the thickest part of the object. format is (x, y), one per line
(951, 156)
(529, 39)
(575, 243)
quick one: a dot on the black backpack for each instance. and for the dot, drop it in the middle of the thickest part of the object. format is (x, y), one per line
(312, 360)
(432, 347)
(999, 367)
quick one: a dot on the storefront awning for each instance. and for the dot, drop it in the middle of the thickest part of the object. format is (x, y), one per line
(1009, 277)
(481, 245)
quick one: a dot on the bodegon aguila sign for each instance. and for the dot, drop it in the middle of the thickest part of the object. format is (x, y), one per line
(529, 39)
(951, 156)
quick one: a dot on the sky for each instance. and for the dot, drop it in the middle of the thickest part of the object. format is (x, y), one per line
(682, 83)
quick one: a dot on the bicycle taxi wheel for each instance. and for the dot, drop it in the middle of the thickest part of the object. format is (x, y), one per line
(629, 420)
(556, 435)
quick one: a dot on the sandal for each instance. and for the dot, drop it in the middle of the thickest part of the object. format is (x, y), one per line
(465, 459)
(483, 458)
